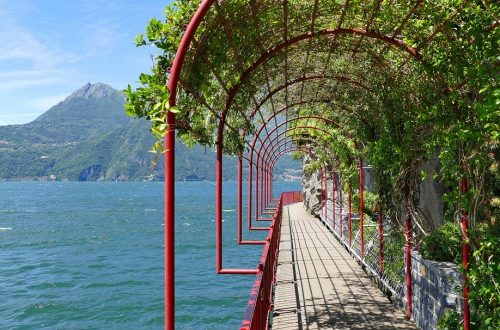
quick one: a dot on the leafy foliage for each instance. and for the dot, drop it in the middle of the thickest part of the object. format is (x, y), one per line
(450, 320)
(484, 275)
(394, 103)
(444, 244)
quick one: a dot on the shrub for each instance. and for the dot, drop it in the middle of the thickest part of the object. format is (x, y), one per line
(451, 320)
(444, 244)
(484, 277)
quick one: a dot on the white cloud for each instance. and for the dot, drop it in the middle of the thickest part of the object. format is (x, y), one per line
(26, 60)
(21, 46)
(100, 36)
(7, 85)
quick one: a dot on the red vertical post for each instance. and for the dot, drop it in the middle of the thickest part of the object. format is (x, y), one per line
(257, 190)
(264, 187)
(361, 227)
(272, 185)
(169, 223)
(240, 199)
(465, 253)
(267, 186)
(325, 189)
(323, 195)
(333, 200)
(218, 198)
(262, 175)
(408, 263)
(173, 80)
(250, 174)
(380, 241)
(349, 214)
(340, 205)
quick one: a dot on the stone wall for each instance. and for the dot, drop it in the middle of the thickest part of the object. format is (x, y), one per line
(311, 189)
(435, 288)
(431, 206)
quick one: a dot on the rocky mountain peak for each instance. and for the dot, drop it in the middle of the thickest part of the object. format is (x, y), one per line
(93, 91)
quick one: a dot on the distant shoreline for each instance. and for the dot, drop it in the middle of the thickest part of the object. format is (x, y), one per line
(59, 181)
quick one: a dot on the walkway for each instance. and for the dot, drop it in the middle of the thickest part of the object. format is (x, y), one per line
(320, 286)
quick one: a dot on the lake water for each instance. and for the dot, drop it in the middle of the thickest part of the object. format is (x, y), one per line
(89, 255)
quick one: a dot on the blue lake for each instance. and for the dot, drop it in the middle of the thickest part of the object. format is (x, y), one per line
(89, 255)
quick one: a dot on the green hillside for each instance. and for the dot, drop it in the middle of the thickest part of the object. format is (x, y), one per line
(87, 137)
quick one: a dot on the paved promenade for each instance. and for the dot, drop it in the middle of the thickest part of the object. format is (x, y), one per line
(320, 286)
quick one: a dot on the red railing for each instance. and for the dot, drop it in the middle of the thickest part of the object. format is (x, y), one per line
(260, 302)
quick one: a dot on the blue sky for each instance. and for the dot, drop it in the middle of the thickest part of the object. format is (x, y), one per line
(49, 48)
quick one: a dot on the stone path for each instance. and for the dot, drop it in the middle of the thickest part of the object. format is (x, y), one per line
(320, 286)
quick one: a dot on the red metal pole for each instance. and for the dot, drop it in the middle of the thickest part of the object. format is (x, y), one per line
(173, 80)
(263, 189)
(218, 198)
(321, 195)
(465, 254)
(250, 174)
(340, 205)
(361, 191)
(272, 183)
(267, 186)
(380, 241)
(408, 264)
(240, 199)
(325, 189)
(349, 214)
(257, 190)
(170, 223)
(333, 200)
(264, 185)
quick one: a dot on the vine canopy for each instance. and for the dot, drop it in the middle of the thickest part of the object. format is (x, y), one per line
(404, 80)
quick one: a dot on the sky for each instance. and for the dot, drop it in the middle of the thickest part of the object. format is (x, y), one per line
(50, 48)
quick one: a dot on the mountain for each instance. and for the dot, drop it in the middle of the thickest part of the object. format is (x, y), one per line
(88, 137)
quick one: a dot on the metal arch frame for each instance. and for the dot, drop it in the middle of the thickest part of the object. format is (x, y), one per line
(257, 135)
(170, 137)
(266, 156)
(361, 223)
(245, 75)
(265, 139)
(272, 140)
(260, 158)
(304, 79)
(218, 222)
(324, 32)
(284, 141)
(252, 148)
(323, 170)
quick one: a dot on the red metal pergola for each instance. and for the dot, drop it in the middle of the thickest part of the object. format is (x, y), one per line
(269, 150)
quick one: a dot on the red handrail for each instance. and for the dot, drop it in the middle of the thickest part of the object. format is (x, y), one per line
(260, 302)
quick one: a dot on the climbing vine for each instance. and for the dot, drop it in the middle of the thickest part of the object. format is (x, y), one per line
(404, 83)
